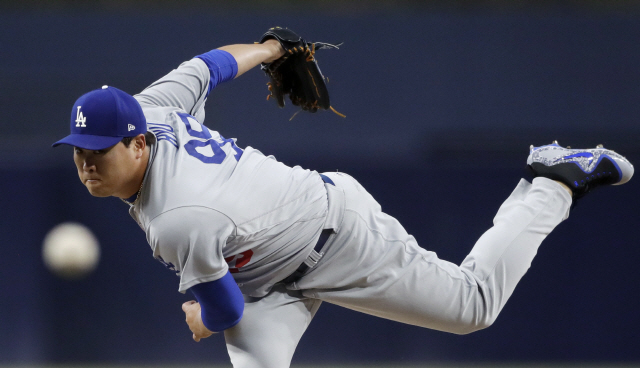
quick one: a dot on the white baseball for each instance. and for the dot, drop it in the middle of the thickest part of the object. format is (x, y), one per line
(70, 250)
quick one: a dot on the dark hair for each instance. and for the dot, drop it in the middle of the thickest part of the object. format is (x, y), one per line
(149, 137)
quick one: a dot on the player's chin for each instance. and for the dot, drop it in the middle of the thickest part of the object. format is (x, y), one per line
(97, 189)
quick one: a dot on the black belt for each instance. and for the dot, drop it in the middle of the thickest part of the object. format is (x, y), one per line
(324, 236)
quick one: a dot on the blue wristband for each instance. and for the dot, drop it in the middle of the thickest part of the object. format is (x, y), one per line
(222, 67)
(221, 303)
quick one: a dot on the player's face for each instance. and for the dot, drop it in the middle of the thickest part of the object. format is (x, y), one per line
(105, 172)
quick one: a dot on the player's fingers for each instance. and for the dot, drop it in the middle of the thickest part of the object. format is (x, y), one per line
(196, 338)
(186, 305)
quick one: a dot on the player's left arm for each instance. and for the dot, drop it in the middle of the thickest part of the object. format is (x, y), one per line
(193, 312)
(189, 241)
(219, 306)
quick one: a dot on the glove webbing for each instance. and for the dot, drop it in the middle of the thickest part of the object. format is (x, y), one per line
(310, 57)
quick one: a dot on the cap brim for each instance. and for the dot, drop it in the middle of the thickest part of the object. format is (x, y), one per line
(89, 142)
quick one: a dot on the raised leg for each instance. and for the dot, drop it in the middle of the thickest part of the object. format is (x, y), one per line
(372, 265)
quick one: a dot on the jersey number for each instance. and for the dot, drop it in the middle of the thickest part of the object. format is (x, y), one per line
(206, 148)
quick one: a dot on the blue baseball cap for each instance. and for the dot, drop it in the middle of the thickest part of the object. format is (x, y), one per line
(102, 117)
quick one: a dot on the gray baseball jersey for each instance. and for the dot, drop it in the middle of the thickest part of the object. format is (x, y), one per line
(208, 206)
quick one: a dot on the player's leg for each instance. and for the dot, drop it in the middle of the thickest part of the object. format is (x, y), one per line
(372, 265)
(270, 329)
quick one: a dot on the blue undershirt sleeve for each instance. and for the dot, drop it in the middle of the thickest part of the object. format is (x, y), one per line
(222, 67)
(221, 303)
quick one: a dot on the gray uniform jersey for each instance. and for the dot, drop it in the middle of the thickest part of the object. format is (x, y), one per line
(208, 206)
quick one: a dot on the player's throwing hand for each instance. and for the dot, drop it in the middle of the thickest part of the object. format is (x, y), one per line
(194, 320)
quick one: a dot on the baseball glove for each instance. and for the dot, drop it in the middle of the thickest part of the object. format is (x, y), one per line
(297, 73)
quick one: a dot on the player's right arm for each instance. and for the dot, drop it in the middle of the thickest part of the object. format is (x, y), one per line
(188, 86)
(250, 56)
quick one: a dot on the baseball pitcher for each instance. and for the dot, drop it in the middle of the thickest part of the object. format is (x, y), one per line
(261, 245)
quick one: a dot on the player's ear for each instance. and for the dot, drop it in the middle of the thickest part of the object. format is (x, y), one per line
(139, 144)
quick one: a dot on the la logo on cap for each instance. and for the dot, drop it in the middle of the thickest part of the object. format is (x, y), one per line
(80, 119)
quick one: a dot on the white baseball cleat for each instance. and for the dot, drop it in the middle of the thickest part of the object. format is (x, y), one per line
(581, 169)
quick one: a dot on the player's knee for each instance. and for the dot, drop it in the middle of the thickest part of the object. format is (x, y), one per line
(481, 309)
(476, 325)
(472, 328)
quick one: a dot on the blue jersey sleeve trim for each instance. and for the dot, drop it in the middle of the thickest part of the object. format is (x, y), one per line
(222, 67)
(221, 303)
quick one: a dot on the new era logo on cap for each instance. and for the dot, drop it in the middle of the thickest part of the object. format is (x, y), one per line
(102, 117)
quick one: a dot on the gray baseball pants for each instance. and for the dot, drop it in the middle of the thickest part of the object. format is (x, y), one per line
(372, 265)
